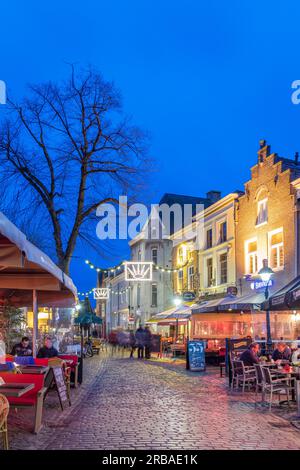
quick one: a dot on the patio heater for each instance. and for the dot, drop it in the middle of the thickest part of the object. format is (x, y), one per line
(265, 274)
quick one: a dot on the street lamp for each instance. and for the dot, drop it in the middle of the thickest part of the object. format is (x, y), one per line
(177, 301)
(265, 274)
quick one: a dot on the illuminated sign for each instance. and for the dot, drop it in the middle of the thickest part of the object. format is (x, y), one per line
(138, 270)
(256, 285)
(101, 293)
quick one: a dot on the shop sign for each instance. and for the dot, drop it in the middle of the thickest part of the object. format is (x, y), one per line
(188, 296)
(256, 285)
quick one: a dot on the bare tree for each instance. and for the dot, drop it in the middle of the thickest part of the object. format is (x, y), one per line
(64, 150)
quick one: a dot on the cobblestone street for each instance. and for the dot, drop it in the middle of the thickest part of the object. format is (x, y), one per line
(131, 404)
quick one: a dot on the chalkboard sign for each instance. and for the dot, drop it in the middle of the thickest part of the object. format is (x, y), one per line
(196, 355)
(60, 385)
(155, 343)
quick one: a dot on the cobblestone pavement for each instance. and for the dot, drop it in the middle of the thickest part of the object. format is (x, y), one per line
(132, 404)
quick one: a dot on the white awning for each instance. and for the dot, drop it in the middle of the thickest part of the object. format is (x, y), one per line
(24, 267)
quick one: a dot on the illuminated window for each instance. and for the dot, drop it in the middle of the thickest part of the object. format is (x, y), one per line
(209, 272)
(191, 277)
(251, 257)
(180, 279)
(181, 255)
(262, 212)
(276, 249)
(223, 268)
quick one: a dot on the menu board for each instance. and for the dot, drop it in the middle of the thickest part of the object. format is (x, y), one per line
(60, 385)
(196, 355)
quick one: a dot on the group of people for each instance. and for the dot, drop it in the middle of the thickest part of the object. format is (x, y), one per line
(24, 348)
(281, 353)
(141, 341)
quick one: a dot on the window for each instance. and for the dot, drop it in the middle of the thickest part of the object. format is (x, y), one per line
(154, 255)
(223, 232)
(223, 268)
(276, 249)
(251, 257)
(180, 255)
(180, 279)
(209, 271)
(262, 212)
(191, 277)
(209, 238)
(154, 295)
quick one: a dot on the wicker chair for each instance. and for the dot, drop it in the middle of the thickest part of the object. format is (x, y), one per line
(4, 409)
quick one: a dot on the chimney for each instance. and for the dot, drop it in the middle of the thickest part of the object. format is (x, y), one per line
(213, 196)
(297, 158)
(264, 150)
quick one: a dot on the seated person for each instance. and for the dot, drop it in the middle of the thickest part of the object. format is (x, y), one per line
(281, 352)
(47, 351)
(296, 356)
(23, 348)
(250, 356)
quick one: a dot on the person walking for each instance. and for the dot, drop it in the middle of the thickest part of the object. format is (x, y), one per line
(132, 343)
(139, 338)
(147, 342)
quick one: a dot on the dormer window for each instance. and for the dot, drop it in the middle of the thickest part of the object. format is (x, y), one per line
(262, 212)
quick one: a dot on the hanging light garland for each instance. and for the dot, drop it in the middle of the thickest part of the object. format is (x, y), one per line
(120, 292)
(118, 267)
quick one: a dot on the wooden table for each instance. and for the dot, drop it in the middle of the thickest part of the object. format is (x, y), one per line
(33, 369)
(15, 389)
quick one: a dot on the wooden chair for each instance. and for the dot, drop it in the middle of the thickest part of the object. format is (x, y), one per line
(4, 410)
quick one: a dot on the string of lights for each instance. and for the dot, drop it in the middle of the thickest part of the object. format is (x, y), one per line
(118, 267)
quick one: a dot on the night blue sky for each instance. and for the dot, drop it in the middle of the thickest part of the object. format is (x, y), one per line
(207, 79)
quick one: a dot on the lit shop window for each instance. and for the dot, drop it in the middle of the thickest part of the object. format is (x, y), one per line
(276, 249)
(223, 268)
(262, 212)
(251, 257)
(191, 277)
(209, 271)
